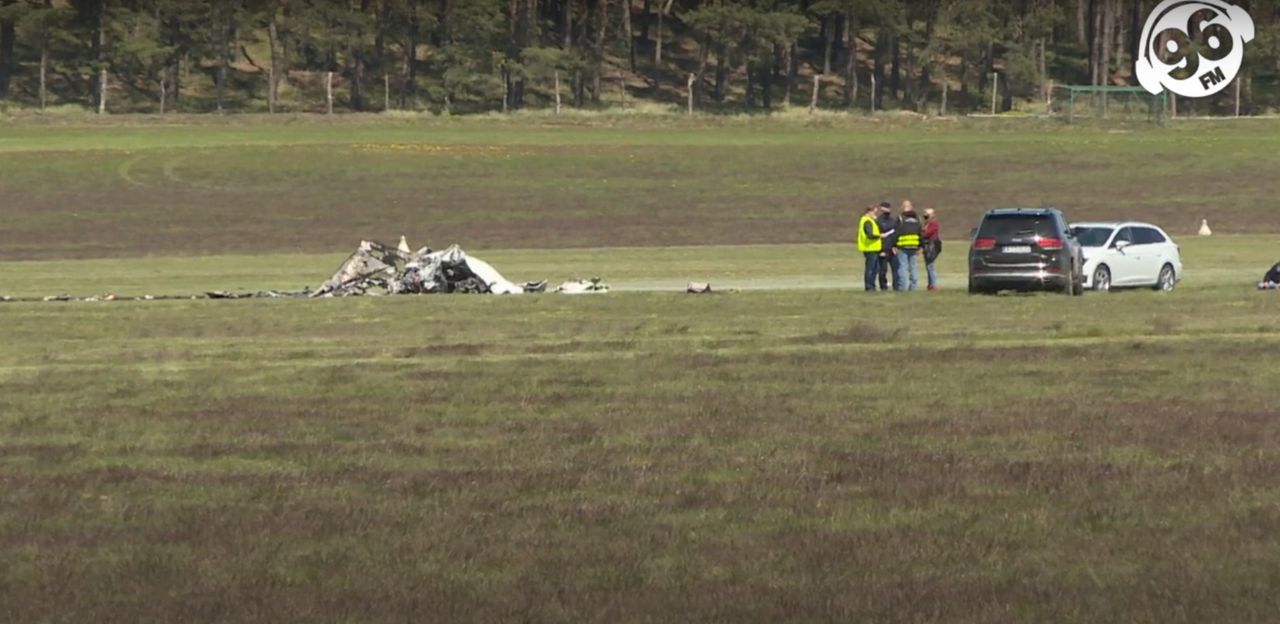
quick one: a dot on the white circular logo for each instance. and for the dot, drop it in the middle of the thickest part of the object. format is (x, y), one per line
(1193, 47)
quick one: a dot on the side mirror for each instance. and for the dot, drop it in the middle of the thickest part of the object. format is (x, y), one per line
(1120, 245)
(973, 232)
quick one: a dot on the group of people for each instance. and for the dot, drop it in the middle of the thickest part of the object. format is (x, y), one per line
(891, 245)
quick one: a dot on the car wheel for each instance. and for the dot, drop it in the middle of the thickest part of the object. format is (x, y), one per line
(1102, 278)
(1167, 279)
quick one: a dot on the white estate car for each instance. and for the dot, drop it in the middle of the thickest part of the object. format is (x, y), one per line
(1128, 254)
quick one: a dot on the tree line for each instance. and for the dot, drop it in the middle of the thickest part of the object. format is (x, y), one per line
(485, 55)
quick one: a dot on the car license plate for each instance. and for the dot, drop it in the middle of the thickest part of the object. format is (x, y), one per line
(1022, 249)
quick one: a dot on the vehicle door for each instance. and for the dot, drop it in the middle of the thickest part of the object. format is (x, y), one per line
(1153, 251)
(1122, 258)
(1157, 249)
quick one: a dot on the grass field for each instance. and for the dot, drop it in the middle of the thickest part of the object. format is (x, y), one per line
(798, 450)
(249, 186)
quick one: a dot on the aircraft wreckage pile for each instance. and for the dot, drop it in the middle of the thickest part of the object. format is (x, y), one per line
(375, 268)
(378, 269)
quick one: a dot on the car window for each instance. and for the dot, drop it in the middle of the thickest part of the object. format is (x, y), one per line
(1125, 235)
(1147, 236)
(1092, 236)
(1005, 226)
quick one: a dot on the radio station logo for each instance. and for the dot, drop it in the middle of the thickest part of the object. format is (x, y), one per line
(1193, 48)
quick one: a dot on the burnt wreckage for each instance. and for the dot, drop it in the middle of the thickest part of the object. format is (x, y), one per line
(378, 269)
(375, 268)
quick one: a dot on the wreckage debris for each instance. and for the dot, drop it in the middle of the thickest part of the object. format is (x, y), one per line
(698, 288)
(581, 286)
(261, 294)
(378, 269)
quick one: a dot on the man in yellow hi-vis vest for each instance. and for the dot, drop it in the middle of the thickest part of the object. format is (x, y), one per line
(869, 243)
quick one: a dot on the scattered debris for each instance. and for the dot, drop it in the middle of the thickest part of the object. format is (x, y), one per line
(1204, 228)
(581, 286)
(261, 294)
(377, 269)
(698, 288)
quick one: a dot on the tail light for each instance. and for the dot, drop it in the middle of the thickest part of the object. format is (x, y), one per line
(984, 243)
(1050, 243)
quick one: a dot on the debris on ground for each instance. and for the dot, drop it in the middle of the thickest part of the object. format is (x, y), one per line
(378, 269)
(261, 294)
(698, 288)
(1204, 228)
(583, 286)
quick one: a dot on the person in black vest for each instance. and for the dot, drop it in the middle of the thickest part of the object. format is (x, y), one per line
(889, 250)
(909, 228)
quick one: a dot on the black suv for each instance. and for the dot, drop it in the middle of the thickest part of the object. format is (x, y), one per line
(1025, 249)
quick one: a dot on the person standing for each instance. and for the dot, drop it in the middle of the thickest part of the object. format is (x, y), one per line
(870, 243)
(909, 228)
(932, 241)
(888, 250)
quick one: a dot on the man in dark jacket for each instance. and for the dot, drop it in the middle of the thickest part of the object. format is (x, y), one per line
(909, 228)
(1271, 281)
(889, 250)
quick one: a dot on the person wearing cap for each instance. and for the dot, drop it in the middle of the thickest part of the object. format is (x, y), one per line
(909, 228)
(870, 244)
(889, 250)
(932, 240)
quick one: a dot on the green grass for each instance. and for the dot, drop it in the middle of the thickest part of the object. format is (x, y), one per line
(797, 450)
(1222, 263)
(802, 455)
(247, 186)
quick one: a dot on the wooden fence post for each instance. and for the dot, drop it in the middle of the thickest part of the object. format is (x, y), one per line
(386, 92)
(102, 92)
(813, 101)
(873, 93)
(328, 92)
(557, 92)
(689, 89)
(995, 88)
(271, 89)
(943, 109)
(44, 75)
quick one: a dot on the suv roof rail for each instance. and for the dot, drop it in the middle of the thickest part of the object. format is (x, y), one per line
(1030, 211)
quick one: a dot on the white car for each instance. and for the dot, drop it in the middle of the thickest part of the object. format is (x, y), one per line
(1128, 254)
